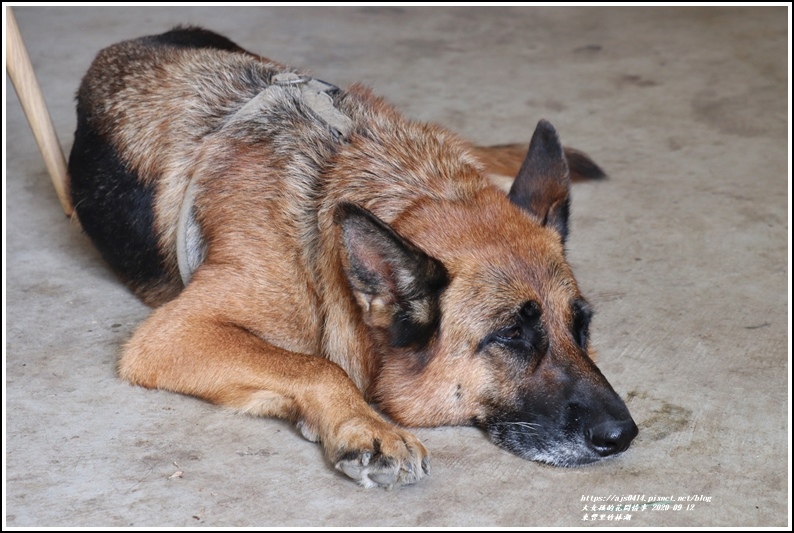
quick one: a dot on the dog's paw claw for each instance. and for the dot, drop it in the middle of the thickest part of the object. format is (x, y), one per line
(399, 459)
(371, 470)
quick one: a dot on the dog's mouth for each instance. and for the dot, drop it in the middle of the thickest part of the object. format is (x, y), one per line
(572, 444)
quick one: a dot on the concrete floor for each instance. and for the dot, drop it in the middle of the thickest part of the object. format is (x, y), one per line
(683, 252)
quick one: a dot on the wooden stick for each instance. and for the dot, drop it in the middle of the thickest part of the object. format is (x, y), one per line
(24, 79)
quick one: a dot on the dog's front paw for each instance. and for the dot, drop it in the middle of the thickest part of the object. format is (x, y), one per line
(382, 456)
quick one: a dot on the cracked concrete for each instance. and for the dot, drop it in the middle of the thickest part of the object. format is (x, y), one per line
(683, 253)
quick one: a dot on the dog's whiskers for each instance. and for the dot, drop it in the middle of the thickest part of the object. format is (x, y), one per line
(527, 425)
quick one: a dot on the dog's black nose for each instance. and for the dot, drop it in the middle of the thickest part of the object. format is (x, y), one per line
(612, 437)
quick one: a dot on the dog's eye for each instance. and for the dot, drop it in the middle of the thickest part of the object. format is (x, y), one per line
(525, 336)
(581, 322)
(511, 334)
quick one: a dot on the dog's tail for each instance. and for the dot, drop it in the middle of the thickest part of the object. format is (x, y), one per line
(503, 161)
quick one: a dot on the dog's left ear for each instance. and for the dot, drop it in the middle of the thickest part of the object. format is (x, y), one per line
(397, 285)
(542, 186)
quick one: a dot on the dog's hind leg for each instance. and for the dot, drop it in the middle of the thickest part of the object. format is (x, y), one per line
(503, 161)
(192, 348)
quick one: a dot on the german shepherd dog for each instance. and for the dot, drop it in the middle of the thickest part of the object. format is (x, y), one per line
(309, 250)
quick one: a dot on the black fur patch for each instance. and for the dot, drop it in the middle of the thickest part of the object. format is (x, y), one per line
(581, 322)
(407, 331)
(193, 37)
(114, 208)
(582, 167)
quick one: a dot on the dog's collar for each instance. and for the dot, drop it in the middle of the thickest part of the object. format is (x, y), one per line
(319, 96)
(316, 94)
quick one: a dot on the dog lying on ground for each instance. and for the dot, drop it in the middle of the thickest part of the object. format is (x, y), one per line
(310, 250)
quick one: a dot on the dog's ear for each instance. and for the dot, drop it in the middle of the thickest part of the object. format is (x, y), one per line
(542, 186)
(397, 285)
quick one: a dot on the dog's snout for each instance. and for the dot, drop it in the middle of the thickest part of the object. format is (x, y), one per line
(614, 436)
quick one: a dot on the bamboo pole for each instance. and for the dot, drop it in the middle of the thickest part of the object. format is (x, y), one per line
(27, 87)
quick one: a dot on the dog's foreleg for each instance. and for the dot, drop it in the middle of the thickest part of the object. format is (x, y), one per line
(502, 163)
(187, 348)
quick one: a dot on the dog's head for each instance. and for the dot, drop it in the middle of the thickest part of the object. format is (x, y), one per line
(480, 320)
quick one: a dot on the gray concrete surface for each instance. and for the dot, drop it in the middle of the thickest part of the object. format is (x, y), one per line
(683, 253)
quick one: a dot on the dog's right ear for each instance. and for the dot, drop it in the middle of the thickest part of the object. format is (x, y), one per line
(396, 284)
(542, 187)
